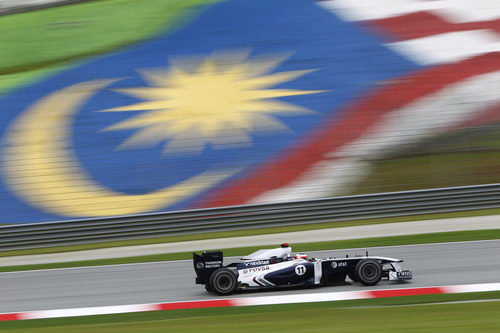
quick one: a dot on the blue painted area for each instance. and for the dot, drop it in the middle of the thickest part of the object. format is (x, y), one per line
(347, 60)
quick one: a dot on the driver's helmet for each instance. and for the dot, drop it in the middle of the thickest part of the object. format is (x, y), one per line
(301, 256)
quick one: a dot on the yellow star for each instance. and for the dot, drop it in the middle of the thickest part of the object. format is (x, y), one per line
(217, 102)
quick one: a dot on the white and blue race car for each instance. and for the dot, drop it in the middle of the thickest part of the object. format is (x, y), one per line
(273, 268)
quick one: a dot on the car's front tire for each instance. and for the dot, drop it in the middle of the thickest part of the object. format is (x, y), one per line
(368, 272)
(223, 281)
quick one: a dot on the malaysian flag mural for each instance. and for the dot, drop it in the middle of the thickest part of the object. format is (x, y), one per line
(250, 102)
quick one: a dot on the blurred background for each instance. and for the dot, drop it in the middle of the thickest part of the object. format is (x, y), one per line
(214, 103)
(120, 118)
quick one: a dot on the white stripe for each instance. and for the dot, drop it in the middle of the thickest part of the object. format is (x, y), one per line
(448, 47)
(78, 312)
(435, 49)
(301, 298)
(87, 266)
(361, 10)
(457, 11)
(247, 301)
(471, 288)
(461, 11)
(324, 179)
(425, 117)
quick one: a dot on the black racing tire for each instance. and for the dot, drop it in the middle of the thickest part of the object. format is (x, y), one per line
(223, 282)
(368, 272)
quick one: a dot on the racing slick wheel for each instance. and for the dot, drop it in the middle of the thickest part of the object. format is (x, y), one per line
(223, 281)
(368, 272)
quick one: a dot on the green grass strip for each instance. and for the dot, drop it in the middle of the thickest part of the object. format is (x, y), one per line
(252, 232)
(303, 247)
(43, 42)
(371, 315)
(57, 35)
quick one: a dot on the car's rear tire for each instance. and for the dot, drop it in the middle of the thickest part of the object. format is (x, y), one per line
(223, 281)
(368, 272)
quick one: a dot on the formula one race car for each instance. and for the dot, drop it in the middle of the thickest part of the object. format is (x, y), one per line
(273, 268)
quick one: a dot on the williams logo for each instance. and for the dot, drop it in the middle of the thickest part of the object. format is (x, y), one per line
(256, 263)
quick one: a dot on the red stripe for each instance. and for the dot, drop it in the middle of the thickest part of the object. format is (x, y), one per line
(405, 292)
(9, 316)
(423, 24)
(265, 300)
(356, 120)
(196, 304)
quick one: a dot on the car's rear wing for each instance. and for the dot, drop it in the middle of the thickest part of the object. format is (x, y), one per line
(206, 264)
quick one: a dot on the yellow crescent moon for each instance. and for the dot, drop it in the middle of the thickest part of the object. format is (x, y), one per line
(42, 168)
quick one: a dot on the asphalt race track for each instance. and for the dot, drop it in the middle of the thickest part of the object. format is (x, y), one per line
(432, 265)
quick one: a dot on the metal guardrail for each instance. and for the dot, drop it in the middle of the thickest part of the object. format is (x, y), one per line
(35, 235)
(19, 6)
